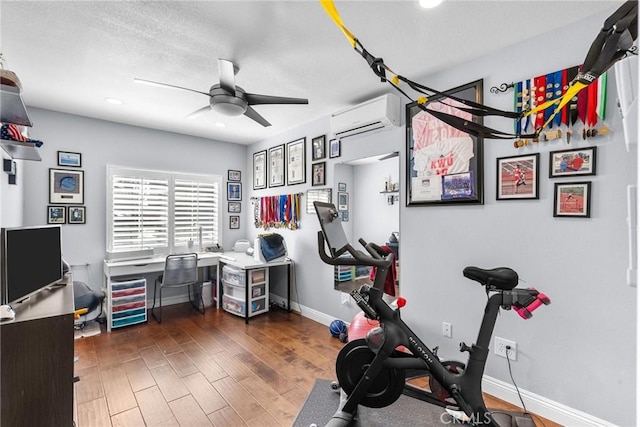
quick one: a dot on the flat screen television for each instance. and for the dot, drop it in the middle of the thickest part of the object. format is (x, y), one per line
(31, 260)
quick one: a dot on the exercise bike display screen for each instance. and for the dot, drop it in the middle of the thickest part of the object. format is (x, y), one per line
(331, 227)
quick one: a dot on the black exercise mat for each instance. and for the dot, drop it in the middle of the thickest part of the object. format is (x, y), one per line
(323, 402)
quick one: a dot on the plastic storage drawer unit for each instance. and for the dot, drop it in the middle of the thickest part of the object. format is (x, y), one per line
(233, 276)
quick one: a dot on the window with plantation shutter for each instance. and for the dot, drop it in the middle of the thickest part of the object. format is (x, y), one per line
(161, 210)
(195, 211)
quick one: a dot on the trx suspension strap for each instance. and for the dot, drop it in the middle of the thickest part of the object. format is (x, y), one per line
(379, 68)
(613, 43)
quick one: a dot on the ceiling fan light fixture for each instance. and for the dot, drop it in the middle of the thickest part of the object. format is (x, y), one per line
(229, 109)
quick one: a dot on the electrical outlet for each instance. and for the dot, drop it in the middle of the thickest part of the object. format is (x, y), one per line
(501, 348)
(346, 299)
(447, 329)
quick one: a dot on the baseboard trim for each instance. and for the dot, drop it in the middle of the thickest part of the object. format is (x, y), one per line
(539, 405)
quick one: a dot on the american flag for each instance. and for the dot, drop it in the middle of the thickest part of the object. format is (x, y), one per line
(12, 132)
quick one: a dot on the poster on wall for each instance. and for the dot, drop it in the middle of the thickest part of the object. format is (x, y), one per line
(296, 162)
(260, 170)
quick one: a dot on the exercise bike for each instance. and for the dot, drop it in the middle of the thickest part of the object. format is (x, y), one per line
(373, 371)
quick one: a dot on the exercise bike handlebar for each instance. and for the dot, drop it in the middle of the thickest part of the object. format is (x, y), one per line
(357, 257)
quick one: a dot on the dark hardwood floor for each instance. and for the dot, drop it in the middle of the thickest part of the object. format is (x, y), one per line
(202, 370)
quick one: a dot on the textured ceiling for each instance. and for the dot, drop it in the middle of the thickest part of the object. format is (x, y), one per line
(71, 55)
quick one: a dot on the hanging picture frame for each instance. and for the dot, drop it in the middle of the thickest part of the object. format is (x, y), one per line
(233, 175)
(276, 166)
(574, 162)
(572, 199)
(66, 186)
(318, 147)
(56, 215)
(334, 148)
(234, 222)
(234, 191)
(77, 214)
(443, 150)
(318, 173)
(260, 170)
(69, 159)
(518, 177)
(296, 162)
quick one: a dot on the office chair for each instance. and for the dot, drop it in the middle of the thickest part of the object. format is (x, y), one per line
(179, 271)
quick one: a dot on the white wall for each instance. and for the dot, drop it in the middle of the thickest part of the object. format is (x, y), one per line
(568, 353)
(373, 218)
(104, 143)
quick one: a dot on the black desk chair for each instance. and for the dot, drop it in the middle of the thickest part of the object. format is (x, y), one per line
(179, 271)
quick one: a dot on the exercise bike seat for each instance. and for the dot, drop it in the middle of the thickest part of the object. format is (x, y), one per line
(502, 278)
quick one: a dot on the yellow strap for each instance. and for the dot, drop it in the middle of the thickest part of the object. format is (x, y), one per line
(331, 10)
(564, 100)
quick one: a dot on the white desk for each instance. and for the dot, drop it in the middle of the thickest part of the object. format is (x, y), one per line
(245, 262)
(113, 269)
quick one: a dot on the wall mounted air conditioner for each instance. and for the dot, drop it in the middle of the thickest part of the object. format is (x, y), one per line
(373, 115)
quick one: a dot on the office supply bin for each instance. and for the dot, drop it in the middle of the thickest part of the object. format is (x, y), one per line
(233, 276)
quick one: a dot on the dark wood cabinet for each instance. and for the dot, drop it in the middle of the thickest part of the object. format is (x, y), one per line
(36, 361)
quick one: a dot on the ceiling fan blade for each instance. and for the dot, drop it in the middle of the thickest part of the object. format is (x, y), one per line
(157, 84)
(227, 75)
(256, 99)
(199, 112)
(253, 114)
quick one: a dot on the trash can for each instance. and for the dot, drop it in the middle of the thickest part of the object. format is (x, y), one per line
(207, 294)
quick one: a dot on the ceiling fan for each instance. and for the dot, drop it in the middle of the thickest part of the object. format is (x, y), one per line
(231, 100)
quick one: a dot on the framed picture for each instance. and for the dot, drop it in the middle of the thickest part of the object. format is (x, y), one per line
(56, 215)
(234, 222)
(334, 148)
(260, 170)
(276, 166)
(572, 199)
(518, 177)
(234, 191)
(342, 186)
(296, 162)
(68, 159)
(436, 150)
(66, 186)
(77, 214)
(320, 195)
(343, 201)
(234, 175)
(574, 162)
(234, 207)
(317, 172)
(318, 147)
(344, 216)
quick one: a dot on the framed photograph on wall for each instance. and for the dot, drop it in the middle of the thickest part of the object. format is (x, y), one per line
(342, 186)
(334, 148)
(343, 201)
(572, 199)
(234, 222)
(260, 170)
(234, 207)
(77, 214)
(575, 162)
(276, 166)
(69, 159)
(234, 191)
(66, 186)
(517, 177)
(318, 173)
(318, 147)
(56, 215)
(296, 162)
(233, 175)
(443, 150)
